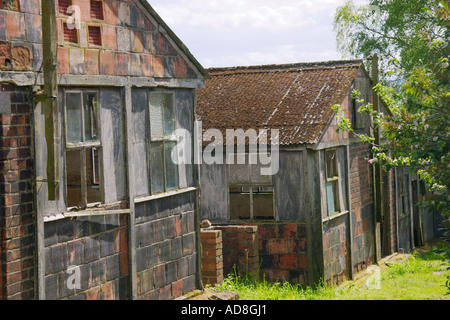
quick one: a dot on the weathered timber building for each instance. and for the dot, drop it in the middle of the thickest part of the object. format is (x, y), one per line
(99, 197)
(315, 218)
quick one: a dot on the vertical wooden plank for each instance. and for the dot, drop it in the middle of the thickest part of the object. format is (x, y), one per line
(49, 39)
(342, 176)
(313, 208)
(40, 205)
(350, 218)
(131, 191)
(288, 187)
(50, 45)
(396, 207)
(196, 182)
(411, 212)
(83, 176)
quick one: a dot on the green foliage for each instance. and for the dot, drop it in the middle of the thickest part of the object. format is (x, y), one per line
(412, 38)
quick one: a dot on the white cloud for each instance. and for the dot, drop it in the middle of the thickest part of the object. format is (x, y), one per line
(258, 14)
(252, 32)
(277, 55)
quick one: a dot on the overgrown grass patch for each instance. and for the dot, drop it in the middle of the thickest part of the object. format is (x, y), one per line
(422, 276)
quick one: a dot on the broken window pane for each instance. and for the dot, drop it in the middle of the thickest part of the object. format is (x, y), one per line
(156, 115)
(91, 116)
(157, 167)
(73, 117)
(171, 167)
(73, 178)
(331, 163)
(92, 176)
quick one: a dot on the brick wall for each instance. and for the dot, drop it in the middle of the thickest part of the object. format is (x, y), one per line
(166, 248)
(98, 246)
(335, 249)
(131, 46)
(17, 215)
(240, 249)
(283, 252)
(275, 251)
(212, 256)
(361, 191)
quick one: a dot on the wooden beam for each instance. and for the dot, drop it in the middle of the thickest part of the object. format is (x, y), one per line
(50, 46)
(377, 170)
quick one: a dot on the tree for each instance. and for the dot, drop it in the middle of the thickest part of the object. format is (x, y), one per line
(412, 37)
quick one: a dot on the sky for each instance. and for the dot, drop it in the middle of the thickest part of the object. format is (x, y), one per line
(224, 33)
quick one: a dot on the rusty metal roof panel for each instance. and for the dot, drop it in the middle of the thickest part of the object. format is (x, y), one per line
(295, 98)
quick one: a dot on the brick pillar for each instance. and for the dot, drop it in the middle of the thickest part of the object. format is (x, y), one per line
(212, 257)
(17, 215)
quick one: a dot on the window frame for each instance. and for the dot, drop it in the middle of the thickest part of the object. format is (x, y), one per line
(162, 141)
(102, 10)
(251, 199)
(336, 179)
(83, 147)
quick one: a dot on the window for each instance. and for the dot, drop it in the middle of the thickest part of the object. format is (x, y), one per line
(70, 34)
(163, 171)
(83, 148)
(97, 9)
(332, 182)
(251, 203)
(95, 35)
(63, 5)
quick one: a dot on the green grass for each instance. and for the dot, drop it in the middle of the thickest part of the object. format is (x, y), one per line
(423, 276)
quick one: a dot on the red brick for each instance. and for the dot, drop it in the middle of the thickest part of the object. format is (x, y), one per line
(111, 9)
(93, 294)
(287, 231)
(278, 246)
(30, 6)
(267, 231)
(121, 61)
(85, 7)
(181, 68)
(63, 60)
(22, 58)
(107, 62)
(303, 261)
(92, 62)
(12, 5)
(107, 291)
(5, 54)
(288, 261)
(158, 66)
(15, 26)
(146, 65)
(109, 37)
(137, 41)
(177, 289)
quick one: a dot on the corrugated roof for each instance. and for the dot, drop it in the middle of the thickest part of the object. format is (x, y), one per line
(294, 98)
